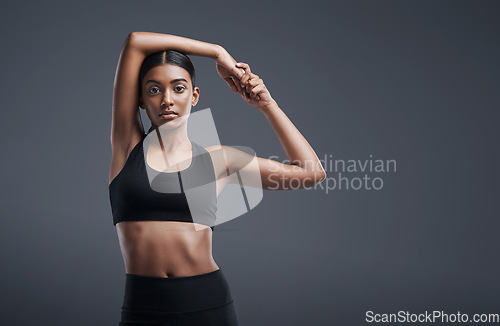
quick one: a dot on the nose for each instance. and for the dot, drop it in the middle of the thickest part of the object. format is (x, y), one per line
(167, 99)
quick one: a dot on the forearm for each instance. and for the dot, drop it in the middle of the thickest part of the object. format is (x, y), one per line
(296, 147)
(149, 43)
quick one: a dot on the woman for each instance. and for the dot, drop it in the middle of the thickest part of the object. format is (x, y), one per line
(171, 276)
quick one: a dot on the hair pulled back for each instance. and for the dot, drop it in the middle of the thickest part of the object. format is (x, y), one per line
(164, 57)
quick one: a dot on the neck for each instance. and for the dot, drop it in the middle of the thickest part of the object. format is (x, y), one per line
(173, 139)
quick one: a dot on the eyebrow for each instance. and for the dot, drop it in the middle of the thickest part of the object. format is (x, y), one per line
(173, 81)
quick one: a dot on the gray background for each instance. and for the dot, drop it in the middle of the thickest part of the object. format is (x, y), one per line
(414, 81)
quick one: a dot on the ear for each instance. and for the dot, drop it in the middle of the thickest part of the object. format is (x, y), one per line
(196, 96)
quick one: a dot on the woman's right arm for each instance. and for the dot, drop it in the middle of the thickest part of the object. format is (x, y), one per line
(126, 127)
(126, 124)
(148, 43)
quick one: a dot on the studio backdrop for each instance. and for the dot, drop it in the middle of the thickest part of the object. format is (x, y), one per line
(398, 99)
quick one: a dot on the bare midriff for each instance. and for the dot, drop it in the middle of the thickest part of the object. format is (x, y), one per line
(166, 248)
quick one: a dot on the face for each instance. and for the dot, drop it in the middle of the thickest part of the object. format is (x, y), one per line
(168, 88)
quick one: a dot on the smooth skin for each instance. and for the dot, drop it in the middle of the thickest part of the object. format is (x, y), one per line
(176, 249)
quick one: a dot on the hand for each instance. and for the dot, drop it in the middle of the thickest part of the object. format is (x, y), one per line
(227, 69)
(252, 88)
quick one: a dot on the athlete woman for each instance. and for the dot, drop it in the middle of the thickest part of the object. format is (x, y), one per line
(171, 276)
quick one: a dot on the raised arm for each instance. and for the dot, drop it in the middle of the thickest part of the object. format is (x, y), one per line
(148, 43)
(126, 123)
(126, 126)
(304, 170)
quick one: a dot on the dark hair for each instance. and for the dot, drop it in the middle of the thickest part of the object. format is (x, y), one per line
(163, 57)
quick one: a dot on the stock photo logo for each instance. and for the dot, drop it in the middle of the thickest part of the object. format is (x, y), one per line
(346, 174)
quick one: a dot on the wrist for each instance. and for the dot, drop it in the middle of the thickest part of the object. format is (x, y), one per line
(269, 107)
(218, 51)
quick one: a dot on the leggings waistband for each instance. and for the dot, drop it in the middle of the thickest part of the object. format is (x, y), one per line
(176, 294)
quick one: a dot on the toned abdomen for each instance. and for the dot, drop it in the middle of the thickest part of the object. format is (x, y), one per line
(166, 248)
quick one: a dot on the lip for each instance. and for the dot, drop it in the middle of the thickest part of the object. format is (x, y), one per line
(168, 115)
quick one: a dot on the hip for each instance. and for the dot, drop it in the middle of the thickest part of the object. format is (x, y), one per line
(203, 299)
(176, 294)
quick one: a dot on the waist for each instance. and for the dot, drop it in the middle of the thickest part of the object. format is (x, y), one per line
(165, 249)
(176, 294)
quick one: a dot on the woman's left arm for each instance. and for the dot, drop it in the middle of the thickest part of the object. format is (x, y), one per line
(305, 169)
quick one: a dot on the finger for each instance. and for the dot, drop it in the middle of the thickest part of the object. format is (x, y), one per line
(244, 79)
(244, 95)
(237, 82)
(238, 79)
(244, 66)
(241, 90)
(237, 71)
(247, 70)
(248, 86)
(256, 90)
(247, 78)
(252, 83)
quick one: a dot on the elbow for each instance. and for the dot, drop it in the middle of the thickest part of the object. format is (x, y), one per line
(313, 179)
(319, 177)
(128, 41)
(131, 37)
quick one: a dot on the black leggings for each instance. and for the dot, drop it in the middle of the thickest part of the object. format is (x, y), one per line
(200, 300)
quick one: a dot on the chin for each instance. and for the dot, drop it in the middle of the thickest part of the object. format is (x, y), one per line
(170, 124)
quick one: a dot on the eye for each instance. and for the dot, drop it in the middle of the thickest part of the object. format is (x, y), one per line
(153, 88)
(179, 88)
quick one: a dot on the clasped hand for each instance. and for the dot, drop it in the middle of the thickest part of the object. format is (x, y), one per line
(241, 80)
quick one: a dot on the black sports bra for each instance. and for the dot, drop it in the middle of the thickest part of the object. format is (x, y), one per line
(188, 195)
